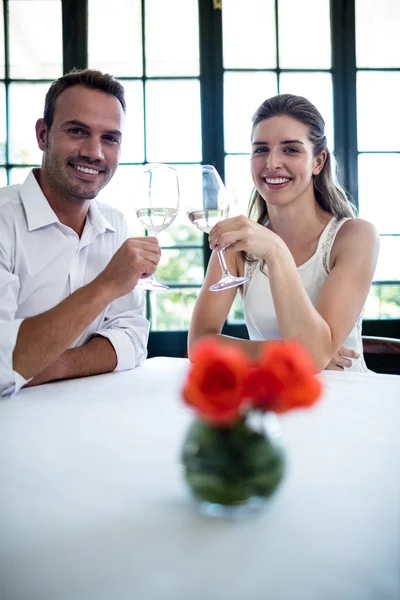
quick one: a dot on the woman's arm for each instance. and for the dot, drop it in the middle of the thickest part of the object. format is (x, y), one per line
(212, 308)
(321, 329)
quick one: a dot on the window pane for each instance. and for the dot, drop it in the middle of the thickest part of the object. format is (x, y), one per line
(23, 116)
(377, 33)
(383, 302)
(19, 174)
(35, 39)
(173, 121)
(388, 267)
(304, 34)
(115, 37)
(2, 124)
(182, 230)
(184, 266)
(243, 94)
(2, 66)
(172, 37)
(316, 87)
(120, 193)
(239, 183)
(172, 309)
(133, 134)
(256, 22)
(375, 189)
(377, 127)
(3, 177)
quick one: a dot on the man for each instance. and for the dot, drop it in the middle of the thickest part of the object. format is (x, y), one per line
(67, 266)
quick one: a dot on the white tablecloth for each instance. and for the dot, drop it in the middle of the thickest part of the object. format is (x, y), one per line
(93, 505)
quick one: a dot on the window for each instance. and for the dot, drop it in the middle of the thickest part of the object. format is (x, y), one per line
(26, 70)
(163, 125)
(378, 143)
(270, 59)
(191, 92)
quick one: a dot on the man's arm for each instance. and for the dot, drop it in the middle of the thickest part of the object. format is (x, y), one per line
(44, 338)
(95, 357)
(120, 343)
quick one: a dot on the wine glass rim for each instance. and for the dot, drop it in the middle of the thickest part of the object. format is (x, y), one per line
(155, 165)
(211, 167)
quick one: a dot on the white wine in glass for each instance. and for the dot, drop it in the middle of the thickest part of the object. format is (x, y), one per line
(156, 205)
(208, 204)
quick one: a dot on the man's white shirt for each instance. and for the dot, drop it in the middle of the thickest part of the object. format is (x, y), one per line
(43, 261)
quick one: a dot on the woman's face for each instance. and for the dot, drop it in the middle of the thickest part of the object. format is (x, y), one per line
(283, 161)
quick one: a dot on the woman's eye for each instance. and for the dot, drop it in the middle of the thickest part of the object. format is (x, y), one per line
(260, 150)
(291, 150)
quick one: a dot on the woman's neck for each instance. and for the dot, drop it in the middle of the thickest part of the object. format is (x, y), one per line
(292, 224)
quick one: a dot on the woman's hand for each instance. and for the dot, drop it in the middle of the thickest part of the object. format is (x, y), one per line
(240, 233)
(341, 360)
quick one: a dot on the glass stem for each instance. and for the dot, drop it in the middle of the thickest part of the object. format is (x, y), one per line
(221, 258)
(154, 234)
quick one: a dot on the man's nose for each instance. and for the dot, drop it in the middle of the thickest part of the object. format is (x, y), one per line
(92, 148)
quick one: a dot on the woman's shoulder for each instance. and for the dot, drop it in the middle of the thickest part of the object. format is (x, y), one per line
(356, 227)
(354, 235)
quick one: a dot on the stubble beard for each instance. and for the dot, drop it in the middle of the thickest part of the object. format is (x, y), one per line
(60, 181)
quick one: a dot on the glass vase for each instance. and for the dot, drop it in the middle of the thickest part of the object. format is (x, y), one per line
(233, 470)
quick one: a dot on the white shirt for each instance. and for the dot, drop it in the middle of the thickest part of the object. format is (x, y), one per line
(43, 261)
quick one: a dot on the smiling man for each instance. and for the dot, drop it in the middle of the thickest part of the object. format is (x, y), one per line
(68, 268)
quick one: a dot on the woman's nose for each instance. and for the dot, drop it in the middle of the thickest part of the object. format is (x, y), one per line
(274, 160)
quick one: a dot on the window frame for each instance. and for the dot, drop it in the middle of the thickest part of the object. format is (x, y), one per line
(344, 71)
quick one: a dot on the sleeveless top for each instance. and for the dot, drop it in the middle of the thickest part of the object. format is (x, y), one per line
(259, 308)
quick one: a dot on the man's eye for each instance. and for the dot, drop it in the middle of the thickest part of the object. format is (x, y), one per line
(76, 130)
(111, 139)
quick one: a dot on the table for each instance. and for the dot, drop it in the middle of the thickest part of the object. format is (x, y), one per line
(93, 505)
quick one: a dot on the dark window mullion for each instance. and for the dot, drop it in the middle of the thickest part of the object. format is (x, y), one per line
(277, 46)
(75, 34)
(211, 92)
(344, 92)
(7, 86)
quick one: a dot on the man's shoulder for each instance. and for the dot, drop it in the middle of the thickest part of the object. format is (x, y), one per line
(9, 195)
(11, 209)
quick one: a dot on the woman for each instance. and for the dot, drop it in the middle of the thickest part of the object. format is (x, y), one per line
(310, 263)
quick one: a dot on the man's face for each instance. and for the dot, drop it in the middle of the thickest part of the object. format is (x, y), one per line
(82, 147)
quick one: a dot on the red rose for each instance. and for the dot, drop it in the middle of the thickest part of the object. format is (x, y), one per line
(284, 378)
(215, 386)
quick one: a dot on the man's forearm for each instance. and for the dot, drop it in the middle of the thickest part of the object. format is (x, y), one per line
(43, 339)
(95, 357)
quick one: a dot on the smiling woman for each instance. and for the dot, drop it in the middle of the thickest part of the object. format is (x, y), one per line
(295, 247)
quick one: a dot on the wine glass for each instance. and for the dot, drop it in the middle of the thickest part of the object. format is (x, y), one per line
(208, 204)
(156, 205)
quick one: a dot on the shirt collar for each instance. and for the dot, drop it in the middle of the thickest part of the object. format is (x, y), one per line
(39, 212)
(97, 219)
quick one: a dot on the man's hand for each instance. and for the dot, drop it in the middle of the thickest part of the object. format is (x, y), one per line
(341, 360)
(136, 258)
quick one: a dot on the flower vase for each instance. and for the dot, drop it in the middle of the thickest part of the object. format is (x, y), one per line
(232, 470)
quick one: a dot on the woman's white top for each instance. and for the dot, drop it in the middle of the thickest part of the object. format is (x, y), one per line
(259, 307)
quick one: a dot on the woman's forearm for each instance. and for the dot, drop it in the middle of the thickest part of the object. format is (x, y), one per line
(297, 317)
